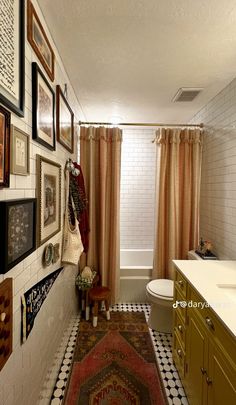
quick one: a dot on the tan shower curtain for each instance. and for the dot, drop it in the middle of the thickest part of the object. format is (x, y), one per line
(100, 157)
(178, 192)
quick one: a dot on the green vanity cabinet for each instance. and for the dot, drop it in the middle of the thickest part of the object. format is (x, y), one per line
(205, 352)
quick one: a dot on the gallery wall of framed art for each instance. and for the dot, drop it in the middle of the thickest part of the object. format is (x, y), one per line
(21, 258)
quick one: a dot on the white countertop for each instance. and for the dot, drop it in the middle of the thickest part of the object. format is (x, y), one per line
(205, 276)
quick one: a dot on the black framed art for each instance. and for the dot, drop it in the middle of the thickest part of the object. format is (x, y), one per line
(12, 51)
(64, 121)
(18, 231)
(43, 104)
(5, 122)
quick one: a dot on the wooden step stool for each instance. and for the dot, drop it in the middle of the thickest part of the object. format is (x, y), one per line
(96, 295)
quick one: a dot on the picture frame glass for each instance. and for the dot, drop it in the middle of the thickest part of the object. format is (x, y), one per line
(2, 146)
(19, 152)
(20, 230)
(49, 193)
(45, 110)
(65, 125)
(12, 50)
(40, 43)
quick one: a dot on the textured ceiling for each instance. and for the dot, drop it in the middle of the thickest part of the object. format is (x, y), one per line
(128, 58)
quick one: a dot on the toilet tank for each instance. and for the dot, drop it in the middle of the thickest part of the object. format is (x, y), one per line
(193, 256)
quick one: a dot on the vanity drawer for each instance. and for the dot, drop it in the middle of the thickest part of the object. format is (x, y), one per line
(179, 328)
(181, 284)
(178, 355)
(179, 305)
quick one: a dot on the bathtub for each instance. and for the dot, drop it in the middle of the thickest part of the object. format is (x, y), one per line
(135, 273)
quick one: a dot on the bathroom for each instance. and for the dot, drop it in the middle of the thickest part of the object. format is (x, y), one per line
(31, 372)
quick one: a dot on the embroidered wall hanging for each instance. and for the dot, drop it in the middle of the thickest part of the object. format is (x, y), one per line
(32, 301)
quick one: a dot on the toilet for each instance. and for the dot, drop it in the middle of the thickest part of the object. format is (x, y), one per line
(160, 293)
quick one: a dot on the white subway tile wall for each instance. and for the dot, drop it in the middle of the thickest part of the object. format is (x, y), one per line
(138, 168)
(24, 373)
(218, 184)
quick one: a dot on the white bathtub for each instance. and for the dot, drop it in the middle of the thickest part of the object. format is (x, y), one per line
(135, 273)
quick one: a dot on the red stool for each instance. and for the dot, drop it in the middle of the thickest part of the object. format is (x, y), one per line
(96, 295)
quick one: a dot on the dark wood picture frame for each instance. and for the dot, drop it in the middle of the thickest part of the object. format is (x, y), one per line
(43, 107)
(64, 121)
(18, 231)
(39, 41)
(48, 183)
(5, 127)
(15, 102)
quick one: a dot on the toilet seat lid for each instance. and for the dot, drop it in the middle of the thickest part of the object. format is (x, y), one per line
(162, 287)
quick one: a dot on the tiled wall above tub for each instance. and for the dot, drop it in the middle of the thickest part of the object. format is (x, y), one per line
(218, 182)
(138, 168)
(23, 375)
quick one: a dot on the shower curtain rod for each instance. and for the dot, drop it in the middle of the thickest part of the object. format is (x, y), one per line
(141, 124)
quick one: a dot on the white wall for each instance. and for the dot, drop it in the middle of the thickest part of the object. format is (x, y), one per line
(23, 374)
(137, 188)
(218, 185)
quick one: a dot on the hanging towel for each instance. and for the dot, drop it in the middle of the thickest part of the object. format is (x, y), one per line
(78, 194)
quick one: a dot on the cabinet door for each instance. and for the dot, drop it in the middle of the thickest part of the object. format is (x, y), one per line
(222, 374)
(197, 348)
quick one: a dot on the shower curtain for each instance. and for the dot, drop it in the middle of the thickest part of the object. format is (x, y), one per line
(177, 197)
(100, 157)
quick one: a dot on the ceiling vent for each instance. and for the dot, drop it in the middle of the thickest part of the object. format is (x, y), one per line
(187, 94)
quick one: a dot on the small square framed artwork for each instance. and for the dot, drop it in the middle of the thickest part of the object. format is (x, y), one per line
(18, 231)
(64, 121)
(43, 104)
(5, 123)
(19, 152)
(49, 198)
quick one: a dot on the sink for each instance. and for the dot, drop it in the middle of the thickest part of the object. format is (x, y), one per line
(228, 289)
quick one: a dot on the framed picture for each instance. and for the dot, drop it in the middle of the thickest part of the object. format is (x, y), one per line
(12, 51)
(5, 122)
(49, 198)
(43, 103)
(64, 121)
(19, 152)
(39, 42)
(17, 237)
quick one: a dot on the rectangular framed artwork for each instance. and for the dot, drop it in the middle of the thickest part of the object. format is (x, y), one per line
(39, 41)
(17, 236)
(49, 198)
(19, 152)
(12, 55)
(64, 121)
(5, 119)
(43, 103)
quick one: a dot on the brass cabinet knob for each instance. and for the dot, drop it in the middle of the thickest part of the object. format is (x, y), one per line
(180, 328)
(208, 380)
(203, 370)
(179, 352)
(180, 282)
(209, 323)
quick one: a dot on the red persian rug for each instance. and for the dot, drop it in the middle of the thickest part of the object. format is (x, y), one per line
(115, 364)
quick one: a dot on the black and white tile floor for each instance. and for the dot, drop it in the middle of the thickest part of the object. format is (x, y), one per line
(162, 345)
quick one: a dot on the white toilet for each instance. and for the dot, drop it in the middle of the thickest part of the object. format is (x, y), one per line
(160, 293)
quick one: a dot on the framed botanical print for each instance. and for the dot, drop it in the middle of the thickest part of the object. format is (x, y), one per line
(49, 198)
(64, 121)
(5, 122)
(19, 152)
(39, 41)
(17, 236)
(12, 51)
(43, 103)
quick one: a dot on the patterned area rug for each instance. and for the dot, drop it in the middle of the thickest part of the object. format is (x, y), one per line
(115, 364)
